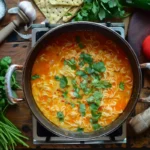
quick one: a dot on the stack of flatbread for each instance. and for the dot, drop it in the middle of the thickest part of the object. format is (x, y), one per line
(56, 10)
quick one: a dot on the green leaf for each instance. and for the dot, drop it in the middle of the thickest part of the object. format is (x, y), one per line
(80, 129)
(72, 105)
(95, 98)
(102, 84)
(60, 116)
(102, 14)
(97, 95)
(81, 63)
(81, 45)
(95, 7)
(106, 1)
(78, 40)
(84, 13)
(86, 58)
(63, 81)
(65, 94)
(82, 109)
(34, 77)
(81, 73)
(112, 3)
(76, 92)
(89, 70)
(5, 62)
(94, 107)
(96, 126)
(95, 116)
(74, 83)
(71, 63)
(121, 86)
(83, 85)
(99, 67)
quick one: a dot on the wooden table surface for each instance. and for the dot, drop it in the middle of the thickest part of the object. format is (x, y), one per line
(21, 115)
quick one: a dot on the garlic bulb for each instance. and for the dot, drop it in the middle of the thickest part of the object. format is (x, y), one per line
(28, 9)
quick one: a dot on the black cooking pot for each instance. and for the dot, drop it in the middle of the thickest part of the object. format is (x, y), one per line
(27, 69)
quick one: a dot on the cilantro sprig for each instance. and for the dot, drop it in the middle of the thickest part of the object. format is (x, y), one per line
(95, 10)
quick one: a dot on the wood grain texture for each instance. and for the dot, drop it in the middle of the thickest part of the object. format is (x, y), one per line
(21, 115)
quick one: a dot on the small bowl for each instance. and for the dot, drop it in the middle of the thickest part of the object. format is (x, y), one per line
(3, 9)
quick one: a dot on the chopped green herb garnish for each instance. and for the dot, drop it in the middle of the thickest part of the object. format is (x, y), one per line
(86, 58)
(80, 129)
(89, 70)
(82, 109)
(83, 85)
(95, 116)
(72, 105)
(34, 77)
(60, 116)
(65, 94)
(99, 67)
(95, 98)
(71, 63)
(121, 85)
(82, 74)
(96, 126)
(76, 92)
(63, 81)
(78, 40)
(102, 84)
(81, 63)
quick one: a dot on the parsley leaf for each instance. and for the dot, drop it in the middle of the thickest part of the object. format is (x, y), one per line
(82, 109)
(122, 86)
(95, 116)
(63, 81)
(72, 104)
(89, 70)
(65, 94)
(80, 44)
(99, 67)
(102, 84)
(71, 63)
(76, 92)
(86, 58)
(60, 116)
(5, 62)
(81, 73)
(34, 77)
(80, 129)
(96, 126)
(95, 98)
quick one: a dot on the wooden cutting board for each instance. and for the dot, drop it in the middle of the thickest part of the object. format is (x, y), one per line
(139, 28)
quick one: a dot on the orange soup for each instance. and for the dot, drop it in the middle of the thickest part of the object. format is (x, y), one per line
(81, 81)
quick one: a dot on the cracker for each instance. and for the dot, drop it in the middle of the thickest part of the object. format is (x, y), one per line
(52, 13)
(66, 2)
(70, 14)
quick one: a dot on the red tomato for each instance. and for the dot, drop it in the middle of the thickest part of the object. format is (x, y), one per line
(146, 47)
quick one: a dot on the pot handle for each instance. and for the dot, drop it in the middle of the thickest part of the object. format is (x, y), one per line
(9, 92)
(141, 122)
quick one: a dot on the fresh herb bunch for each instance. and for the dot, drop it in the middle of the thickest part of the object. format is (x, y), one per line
(10, 136)
(95, 10)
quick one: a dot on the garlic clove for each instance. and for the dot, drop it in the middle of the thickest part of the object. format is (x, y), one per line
(28, 9)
